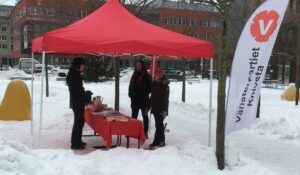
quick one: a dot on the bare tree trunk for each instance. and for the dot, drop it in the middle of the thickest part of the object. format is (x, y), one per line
(117, 83)
(183, 80)
(222, 66)
(297, 64)
(47, 79)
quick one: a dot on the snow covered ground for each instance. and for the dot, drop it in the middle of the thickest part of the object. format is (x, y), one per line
(271, 146)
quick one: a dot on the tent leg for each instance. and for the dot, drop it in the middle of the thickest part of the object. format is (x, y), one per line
(210, 101)
(32, 56)
(42, 94)
(153, 73)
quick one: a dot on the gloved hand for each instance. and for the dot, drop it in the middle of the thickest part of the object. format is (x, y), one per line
(164, 114)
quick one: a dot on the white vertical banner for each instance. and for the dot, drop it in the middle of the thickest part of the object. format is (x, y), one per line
(250, 63)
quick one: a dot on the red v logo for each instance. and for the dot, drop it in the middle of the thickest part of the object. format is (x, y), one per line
(265, 28)
(264, 25)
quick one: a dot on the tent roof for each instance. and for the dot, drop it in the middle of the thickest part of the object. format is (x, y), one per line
(37, 44)
(113, 30)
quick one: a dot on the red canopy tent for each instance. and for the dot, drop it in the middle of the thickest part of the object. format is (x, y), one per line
(114, 31)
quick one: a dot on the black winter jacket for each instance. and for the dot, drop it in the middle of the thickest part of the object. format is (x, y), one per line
(139, 90)
(76, 89)
(159, 100)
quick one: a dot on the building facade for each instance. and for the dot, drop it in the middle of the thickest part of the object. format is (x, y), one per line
(32, 18)
(5, 36)
(283, 62)
(192, 19)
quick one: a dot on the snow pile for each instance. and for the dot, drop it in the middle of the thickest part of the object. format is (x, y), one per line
(12, 72)
(189, 158)
(16, 158)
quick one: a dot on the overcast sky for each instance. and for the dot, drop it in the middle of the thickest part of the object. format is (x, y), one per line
(7, 2)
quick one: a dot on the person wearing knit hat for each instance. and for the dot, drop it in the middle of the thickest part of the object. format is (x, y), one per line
(77, 101)
(159, 104)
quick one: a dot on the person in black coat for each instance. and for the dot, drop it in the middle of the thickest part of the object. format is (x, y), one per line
(77, 101)
(139, 90)
(159, 104)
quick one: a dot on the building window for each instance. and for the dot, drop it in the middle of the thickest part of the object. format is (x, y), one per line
(190, 22)
(166, 20)
(214, 24)
(24, 11)
(204, 23)
(25, 37)
(83, 13)
(174, 21)
(50, 12)
(171, 20)
(3, 38)
(180, 21)
(35, 11)
(3, 47)
(4, 29)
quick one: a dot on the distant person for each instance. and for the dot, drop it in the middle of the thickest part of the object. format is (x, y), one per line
(139, 90)
(77, 101)
(159, 104)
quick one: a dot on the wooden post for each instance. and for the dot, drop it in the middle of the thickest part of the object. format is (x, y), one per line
(117, 83)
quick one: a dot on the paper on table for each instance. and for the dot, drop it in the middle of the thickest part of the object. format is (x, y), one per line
(107, 113)
(117, 118)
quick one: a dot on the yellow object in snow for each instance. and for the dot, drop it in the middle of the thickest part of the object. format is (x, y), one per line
(16, 104)
(290, 93)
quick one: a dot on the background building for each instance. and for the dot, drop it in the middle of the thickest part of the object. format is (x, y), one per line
(282, 65)
(33, 18)
(5, 36)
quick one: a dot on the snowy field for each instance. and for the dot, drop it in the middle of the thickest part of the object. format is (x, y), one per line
(271, 146)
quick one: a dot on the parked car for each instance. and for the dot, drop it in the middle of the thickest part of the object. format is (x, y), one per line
(61, 71)
(173, 74)
(38, 68)
(206, 74)
(25, 64)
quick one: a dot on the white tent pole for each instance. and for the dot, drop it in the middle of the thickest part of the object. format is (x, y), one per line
(32, 56)
(210, 101)
(153, 73)
(42, 95)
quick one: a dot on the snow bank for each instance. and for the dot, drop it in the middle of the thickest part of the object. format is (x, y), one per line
(16, 158)
(270, 146)
(12, 72)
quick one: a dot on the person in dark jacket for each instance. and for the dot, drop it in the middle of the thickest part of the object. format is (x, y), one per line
(139, 90)
(77, 100)
(159, 104)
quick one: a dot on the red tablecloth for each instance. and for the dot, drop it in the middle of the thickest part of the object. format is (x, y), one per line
(132, 128)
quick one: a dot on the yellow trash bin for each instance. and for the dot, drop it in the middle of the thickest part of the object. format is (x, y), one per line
(16, 104)
(289, 94)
